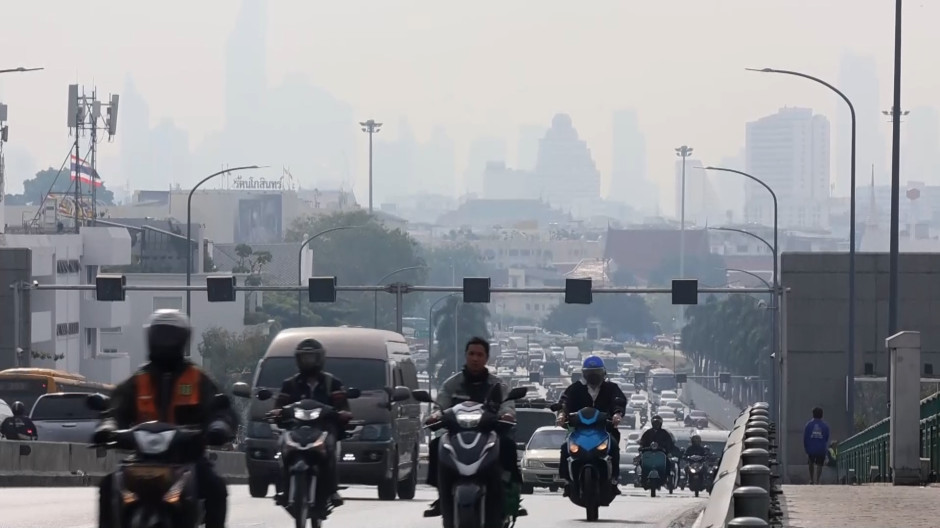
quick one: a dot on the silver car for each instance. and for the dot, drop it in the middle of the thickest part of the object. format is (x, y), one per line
(541, 460)
(63, 417)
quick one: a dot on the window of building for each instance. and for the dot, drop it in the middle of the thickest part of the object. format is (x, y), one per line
(109, 351)
(67, 266)
(113, 330)
(167, 303)
(66, 329)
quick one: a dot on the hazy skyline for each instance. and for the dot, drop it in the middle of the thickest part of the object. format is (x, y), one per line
(478, 70)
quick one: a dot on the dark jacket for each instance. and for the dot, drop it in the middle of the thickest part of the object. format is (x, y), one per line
(699, 450)
(464, 386)
(123, 411)
(296, 388)
(18, 428)
(577, 397)
(663, 438)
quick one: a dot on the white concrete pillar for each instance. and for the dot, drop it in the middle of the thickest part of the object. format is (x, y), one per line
(904, 448)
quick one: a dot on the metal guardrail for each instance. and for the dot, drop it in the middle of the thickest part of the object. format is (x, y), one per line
(864, 456)
(744, 492)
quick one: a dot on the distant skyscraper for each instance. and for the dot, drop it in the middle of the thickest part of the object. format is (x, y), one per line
(730, 188)
(789, 151)
(395, 163)
(246, 67)
(921, 150)
(482, 151)
(702, 204)
(527, 151)
(628, 179)
(135, 142)
(435, 164)
(566, 172)
(858, 79)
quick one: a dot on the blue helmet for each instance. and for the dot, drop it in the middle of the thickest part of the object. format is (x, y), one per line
(593, 371)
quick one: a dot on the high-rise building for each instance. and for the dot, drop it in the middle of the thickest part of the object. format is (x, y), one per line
(568, 178)
(482, 151)
(435, 172)
(628, 178)
(789, 151)
(858, 79)
(702, 204)
(527, 151)
(394, 163)
(921, 149)
(730, 188)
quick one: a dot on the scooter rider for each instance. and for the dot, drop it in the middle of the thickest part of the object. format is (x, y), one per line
(18, 426)
(473, 383)
(696, 448)
(661, 437)
(593, 390)
(316, 384)
(172, 390)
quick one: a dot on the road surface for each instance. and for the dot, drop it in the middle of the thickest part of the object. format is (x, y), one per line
(75, 508)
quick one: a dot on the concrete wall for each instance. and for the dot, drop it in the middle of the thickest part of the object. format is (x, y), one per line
(15, 265)
(817, 332)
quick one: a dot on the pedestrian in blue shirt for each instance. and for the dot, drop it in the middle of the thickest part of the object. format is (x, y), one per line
(816, 444)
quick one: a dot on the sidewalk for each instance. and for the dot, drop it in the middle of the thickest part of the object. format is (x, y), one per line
(868, 506)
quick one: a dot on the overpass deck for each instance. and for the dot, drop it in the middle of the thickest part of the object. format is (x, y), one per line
(866, 506)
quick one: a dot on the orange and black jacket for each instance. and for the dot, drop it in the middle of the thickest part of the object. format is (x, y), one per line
(181, 397)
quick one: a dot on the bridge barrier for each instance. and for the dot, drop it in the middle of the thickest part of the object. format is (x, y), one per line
(27, 464)
(745, 491)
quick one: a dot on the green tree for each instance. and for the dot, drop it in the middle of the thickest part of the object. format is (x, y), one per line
(619, 314)
(471, 319)
(362, 256)
(453, 261)
(51, 180)
(708, 269)
(730, 334)
(230, 357)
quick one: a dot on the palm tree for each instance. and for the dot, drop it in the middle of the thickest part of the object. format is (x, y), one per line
(447, 357)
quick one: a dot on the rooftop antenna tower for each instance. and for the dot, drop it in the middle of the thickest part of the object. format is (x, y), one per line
(85, 115)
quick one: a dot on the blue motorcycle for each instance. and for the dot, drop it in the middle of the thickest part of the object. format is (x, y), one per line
(589, 461)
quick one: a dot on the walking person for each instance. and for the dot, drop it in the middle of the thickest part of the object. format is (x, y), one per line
(816, 444)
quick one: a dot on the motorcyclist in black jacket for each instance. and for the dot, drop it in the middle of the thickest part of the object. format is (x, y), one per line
(661, 437)
(316, 384)
(18, 426)
(168, 375)
(696, 448)
(593, 390)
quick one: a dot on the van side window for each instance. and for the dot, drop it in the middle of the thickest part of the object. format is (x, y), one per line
(397, 377)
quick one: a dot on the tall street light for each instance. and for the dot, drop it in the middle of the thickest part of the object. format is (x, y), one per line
(850, 362)
(300, 265)
(375, 323)
(895, 188)
(20, 70)
(370, 127)
(683, 152)
(776, 251)
(189, 228)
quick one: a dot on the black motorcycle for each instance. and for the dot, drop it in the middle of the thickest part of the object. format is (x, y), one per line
(470, 477)
(156, 486)
(308, 432)
(696, 471)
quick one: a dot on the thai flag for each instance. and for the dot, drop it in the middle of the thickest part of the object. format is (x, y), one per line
(84, 172)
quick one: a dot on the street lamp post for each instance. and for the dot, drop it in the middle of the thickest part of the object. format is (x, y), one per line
(189, 228)
(776, 254)
(300, 265)
(370, 127)
(850, 361)
(375, 323)
(683, 152)
(895, 189)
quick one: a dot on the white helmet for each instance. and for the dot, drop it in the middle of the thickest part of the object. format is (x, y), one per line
(168, 317)
(168, 333)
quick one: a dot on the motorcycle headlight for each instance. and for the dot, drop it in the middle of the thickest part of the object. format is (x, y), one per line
(469, 420)
(172, 496)
(153, 443)
(307, 415)
(603, 446)
(573, 448)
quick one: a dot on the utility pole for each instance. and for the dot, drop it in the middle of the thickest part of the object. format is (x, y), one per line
(370, 127)
(683, 152)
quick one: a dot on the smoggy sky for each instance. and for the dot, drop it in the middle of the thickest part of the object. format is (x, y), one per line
(479, 68)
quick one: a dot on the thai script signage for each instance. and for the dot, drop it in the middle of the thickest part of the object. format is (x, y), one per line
(258, 184)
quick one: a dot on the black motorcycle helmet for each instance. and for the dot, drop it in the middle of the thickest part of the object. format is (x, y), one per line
(656, 421)
(696, 440)
(168, 334)
(18, 409)
(310, 356)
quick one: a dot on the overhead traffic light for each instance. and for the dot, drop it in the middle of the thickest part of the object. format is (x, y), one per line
(684, 291)
(681, 379)
(578, 291)
(110, 286)
(724, 378)
(321, 289)
(220, 288)
(476, 289)
(639, 378)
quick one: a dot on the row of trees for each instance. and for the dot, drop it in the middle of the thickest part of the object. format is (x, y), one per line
(732, 333)
(51, 180)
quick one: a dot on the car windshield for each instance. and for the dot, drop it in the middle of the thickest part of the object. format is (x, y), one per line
(363, 374)
(69, 407)
(547, 439)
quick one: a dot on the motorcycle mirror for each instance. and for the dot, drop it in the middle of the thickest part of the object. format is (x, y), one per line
(97, 402)
(422, 396)
(517, 393)
(264, 394)
(241, 390)
(400, 394)
(221, 402)
(353, 393)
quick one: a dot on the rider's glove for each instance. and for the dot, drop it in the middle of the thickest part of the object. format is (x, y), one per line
(560, 420)
(103, 434)
(616, 419)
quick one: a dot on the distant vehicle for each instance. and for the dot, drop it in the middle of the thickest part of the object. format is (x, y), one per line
(660, 379)
(5, 411)
(28, 384)
(64, 417)
(531, 415)
(714, 439)
(541, 458)
(697, 418)
(638, 401)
